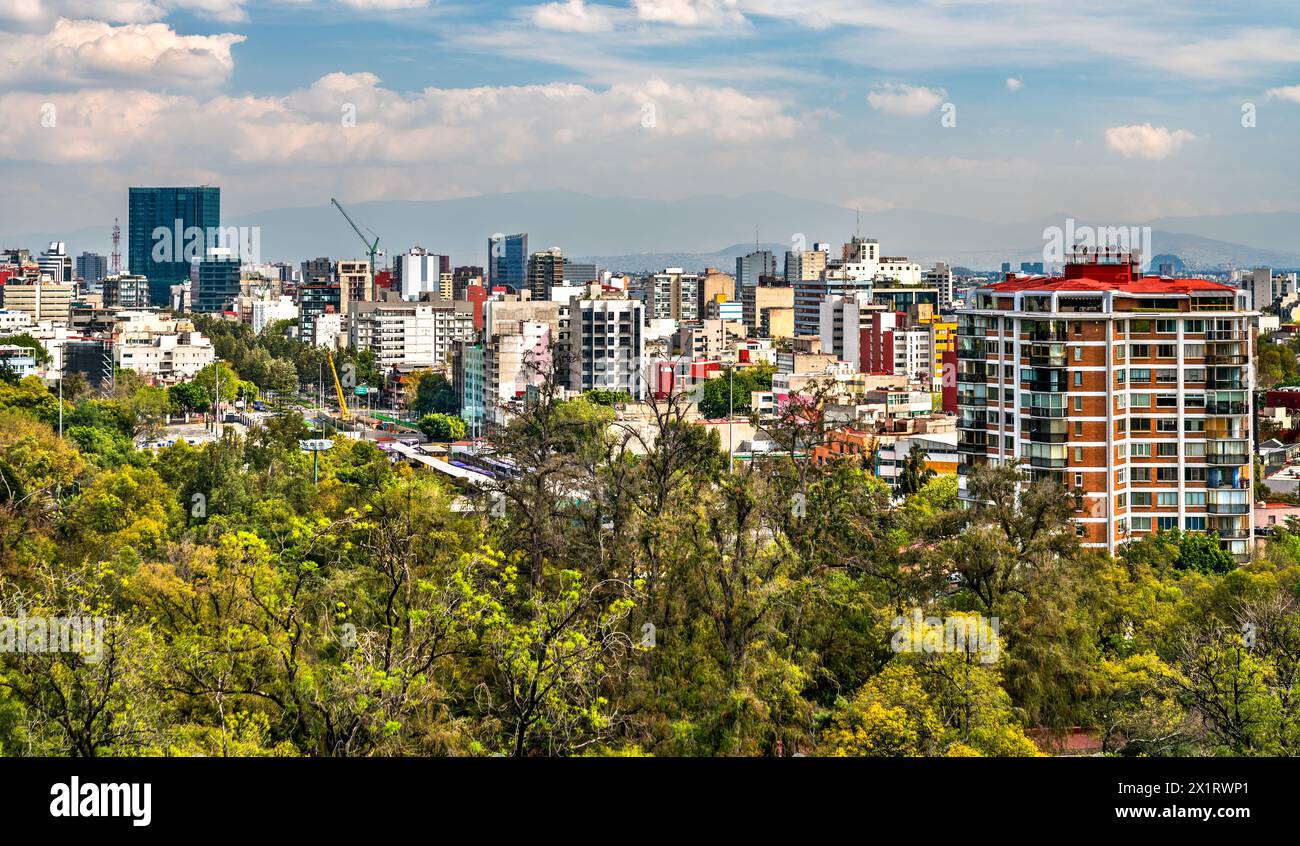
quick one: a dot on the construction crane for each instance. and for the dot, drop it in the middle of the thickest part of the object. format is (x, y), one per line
(345, 414)
(372, 247)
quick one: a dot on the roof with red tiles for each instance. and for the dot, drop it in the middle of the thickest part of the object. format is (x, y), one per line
(1107, 277)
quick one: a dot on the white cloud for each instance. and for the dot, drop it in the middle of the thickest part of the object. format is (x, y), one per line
(910, 100)
(88, 52)
(1014, 84)
(689, 12)
(1290, 92)
(40, 14)
(1144, 141)
(573, 16)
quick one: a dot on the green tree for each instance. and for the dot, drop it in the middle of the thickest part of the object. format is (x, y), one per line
(442, 427)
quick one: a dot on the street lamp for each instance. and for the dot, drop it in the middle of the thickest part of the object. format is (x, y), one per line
(315, 446)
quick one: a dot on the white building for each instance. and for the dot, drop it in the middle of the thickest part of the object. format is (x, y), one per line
(267, 311)
(608, 346)
(420, 272)
(409, 334)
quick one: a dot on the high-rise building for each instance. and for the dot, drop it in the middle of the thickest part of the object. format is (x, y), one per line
(91, 269)
(178, 212)
(507, 261)
(940, 277)
(317, 271)
(580, 272)
(1260, 284)
(56, 263)
(215, 281)
(749, 268)
(354, 275)
(804, 265)
(418, 271)
(757, 299)
(409, 334)
(126, 291)
(673, 294)
(1134, 391)
(545, 269)
(608, 346)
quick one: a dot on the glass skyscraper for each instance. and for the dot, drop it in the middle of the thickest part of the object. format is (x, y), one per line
(175, 210)
(508, 260)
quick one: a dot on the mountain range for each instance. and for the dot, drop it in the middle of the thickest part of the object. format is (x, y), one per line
(631, 234)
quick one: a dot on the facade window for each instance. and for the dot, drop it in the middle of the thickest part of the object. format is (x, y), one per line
(1167, 500)
(1166, 524)
(1141, 499)
(1167, 450)
(1195, 524)
(1141, 524)
(1194, 326)
(1196, 498)
(1139, 375)
(1167, 327)
(1139, 450)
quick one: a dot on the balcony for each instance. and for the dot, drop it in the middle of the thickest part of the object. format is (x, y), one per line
(1227, 460)
(1045, 461)
(972, 420)
(1045, 431)
(1225, 408)
(1227, 508)
(1043, 411)
(1225, 335)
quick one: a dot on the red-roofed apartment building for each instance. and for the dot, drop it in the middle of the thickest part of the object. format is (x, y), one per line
(1134, 389)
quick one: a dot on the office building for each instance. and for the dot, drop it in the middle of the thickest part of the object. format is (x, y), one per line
(507, 261)
(750, 267)
(178, 212)
(91, 269)
(608, 346)
(545, 270)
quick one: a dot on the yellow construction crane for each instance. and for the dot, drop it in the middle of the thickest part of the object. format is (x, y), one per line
(345, 413)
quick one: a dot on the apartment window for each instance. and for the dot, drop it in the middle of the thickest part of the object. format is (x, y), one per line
(1121, 476)
(1167, 424)
(1139, 450)
(1078, 455)
(1119, 376)
(1121, 402)
(1194, 449)
(1121, 426)
(1194, 524)
(1078, 403)
(1141, 499)
(1141, 474)
(1194, 474)
(1139, 375)
(1166, 400)
(1139, 351)
(1139, 326)
(1141, 524)
(1139, 400)
(1121, 525)
(1078, 429)
(1166, 524)
(1194, 400)
(1167, 500)
(1166, 376)
(1167, 450)
(1166, 474)
(1195, 498)
(1167, 327)
(1077, 327)
(1078, 379)
(1121, 500)
(1195, 374)
(1078, 353)
(1193, 350)
(1078, 480)
(1194, 326)
(1119, 352)
(1166, 351)
(1141, 424)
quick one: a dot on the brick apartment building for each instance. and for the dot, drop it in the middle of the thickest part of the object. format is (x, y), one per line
(1134, 390)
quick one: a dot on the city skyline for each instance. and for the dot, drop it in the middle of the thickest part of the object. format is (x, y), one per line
(942, 107)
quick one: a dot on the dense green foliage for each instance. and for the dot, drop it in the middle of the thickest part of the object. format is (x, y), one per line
(621, 593)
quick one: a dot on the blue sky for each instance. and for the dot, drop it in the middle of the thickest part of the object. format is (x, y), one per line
(1118, 110)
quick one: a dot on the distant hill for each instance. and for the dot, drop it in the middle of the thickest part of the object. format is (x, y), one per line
(639, 234)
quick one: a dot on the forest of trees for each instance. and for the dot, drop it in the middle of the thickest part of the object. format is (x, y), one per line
(624, 594)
